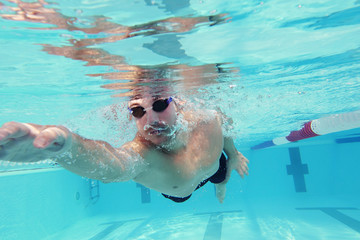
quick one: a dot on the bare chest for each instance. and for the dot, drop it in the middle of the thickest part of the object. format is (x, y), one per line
(179, 173)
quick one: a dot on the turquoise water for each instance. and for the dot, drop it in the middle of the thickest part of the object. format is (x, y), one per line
(271, 66)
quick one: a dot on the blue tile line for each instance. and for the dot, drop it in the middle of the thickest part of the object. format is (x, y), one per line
(139, 230)
(223, 212)
(113, 226)
(145, 193)
(213, 230)
(347, 140)
(341, 217)
(297, 169)
(214, 227)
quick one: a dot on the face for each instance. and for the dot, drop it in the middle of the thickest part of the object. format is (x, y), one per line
(154, 126)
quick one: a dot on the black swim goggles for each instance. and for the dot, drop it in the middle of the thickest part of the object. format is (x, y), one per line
(157, 106)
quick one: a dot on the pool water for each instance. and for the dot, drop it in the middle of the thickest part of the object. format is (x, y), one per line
(317, 200)
(270, 66)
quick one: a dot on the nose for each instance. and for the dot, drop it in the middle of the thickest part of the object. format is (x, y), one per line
(152, 117)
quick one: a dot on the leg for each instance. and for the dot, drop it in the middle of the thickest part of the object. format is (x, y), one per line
(220, 191)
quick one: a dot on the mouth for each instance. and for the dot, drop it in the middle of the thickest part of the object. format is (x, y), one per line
(156, 129)
(157, 132)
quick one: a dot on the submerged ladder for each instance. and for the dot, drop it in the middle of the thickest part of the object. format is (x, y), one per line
(94, 190)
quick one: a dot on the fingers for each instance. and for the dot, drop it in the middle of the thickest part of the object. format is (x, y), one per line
(242, 169)
(242, 166)
(44, 136)
(12, 130)
(51, 137)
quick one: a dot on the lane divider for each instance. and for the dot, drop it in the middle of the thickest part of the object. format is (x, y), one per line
(317, 127)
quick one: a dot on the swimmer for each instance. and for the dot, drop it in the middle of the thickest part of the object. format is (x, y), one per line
(175, 151)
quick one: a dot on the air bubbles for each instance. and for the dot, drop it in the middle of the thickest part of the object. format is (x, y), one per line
(64, 35)
(79, 11)
(4, 163)
(213, 11)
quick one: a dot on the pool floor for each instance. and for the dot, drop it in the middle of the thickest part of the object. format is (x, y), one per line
(316, 218)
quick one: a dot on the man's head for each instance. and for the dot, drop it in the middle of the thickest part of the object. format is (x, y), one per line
(155, 117)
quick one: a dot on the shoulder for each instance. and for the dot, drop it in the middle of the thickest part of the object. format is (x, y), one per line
(136, 146)
(197, 111)
(203, 116)
(131, 160)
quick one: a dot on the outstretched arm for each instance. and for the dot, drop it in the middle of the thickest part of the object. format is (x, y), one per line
(22, 142)
(99, 160)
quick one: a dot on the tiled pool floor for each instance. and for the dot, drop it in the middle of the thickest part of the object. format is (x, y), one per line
(329, 220)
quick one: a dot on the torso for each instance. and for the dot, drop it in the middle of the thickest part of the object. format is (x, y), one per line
(179, 172)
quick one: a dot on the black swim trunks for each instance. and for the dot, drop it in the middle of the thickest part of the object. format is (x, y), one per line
(218, 177)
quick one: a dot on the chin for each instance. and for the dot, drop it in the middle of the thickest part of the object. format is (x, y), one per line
(158, 140)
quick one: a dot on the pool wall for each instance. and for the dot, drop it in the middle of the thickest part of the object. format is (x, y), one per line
(37, 203)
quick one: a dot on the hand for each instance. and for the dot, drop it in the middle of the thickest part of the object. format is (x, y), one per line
(219, 18)
(22, 142)
(240, 164)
